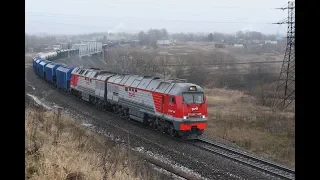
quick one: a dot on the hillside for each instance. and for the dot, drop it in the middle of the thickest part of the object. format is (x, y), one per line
(58, 147)
(241, 119)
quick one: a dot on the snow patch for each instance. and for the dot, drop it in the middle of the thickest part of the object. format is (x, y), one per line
(87, 125)
(163, 171)
(167, 161)
(39, 102)
(139, 149)
(32, 87)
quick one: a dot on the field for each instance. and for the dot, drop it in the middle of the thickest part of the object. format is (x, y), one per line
(238, 96)
(148, 61)
(240, 119)
(236, 112)
(185, 48)
(58, 147)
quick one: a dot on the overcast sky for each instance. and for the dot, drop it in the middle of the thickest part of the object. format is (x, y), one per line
(86, 16)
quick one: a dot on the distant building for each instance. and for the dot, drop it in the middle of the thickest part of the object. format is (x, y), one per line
(270, 42)
(163, 41)
(65, 46)
(88, 47)
(238, 45)
(56, 47)
(256, 41)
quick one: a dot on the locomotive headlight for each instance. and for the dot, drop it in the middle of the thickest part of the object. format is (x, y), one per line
(185, 117)
(203, 116)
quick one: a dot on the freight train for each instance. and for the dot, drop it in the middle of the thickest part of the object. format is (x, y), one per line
(169, 106)
(64, 53)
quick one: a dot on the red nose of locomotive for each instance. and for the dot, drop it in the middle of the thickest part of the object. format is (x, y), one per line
(194, 112)
(195, 117)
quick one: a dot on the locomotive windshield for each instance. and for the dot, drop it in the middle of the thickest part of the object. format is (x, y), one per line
(192, 98)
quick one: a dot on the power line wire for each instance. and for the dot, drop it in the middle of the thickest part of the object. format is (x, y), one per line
(173, 5)
(66, 24)
(146, 19)
(219, 64)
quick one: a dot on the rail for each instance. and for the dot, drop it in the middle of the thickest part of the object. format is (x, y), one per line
(234, 154)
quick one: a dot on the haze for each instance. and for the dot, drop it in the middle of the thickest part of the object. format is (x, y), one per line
(87, 16)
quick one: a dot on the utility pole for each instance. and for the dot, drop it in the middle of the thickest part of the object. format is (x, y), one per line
(285, 92)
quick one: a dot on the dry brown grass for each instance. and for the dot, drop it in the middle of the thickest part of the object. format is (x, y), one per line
(238, 118)
(60, 148)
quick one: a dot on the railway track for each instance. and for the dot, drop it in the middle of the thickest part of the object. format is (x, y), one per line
(228, 152)
(179, 173)
(258, 163)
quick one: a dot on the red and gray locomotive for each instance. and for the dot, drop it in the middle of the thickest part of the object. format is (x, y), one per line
(171, 106)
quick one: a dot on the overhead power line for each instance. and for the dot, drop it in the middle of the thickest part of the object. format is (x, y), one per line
(65, 24)
(139, 19)
(183, 4)
(233, 63)
(224, 63)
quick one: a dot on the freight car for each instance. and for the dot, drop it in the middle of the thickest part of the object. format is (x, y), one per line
(51, 69)
(58, 54)
(63, 74)
(172, 106)
(42, 71)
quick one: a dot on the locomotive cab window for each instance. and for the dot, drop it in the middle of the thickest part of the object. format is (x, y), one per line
(126, 89)
(193, 98)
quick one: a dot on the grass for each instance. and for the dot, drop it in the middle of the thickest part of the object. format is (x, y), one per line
(58, 147)
(239, 118)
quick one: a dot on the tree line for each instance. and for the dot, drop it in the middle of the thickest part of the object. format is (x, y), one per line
(150, 37)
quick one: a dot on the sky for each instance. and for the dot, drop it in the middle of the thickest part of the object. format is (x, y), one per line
(87, 16)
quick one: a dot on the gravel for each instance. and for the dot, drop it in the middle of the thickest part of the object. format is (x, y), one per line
(181, 155)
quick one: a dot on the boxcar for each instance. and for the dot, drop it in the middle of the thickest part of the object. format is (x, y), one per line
(51, 72)
(34, 63)
(37, 65)
(42, 70)
(63, 74)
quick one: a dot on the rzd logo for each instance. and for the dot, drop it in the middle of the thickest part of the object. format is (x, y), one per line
(132, 94)
(194, 109)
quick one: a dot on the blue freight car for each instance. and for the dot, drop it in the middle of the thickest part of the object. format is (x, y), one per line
(42, 70)
(51, 72)
(63, 77)
(37, 65)
(34, 63)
